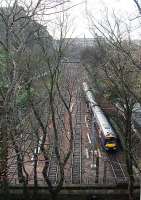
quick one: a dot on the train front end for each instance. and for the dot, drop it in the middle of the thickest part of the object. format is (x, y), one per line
(111, 144)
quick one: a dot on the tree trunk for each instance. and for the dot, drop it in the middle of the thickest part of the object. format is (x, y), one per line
(129, 163)
(35, 175)
(35, 170)
(105, 172)
(97, 170)
(3, 157)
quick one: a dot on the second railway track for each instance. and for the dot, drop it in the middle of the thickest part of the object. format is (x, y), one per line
(117, 169)
(53, 170)
(76, 175)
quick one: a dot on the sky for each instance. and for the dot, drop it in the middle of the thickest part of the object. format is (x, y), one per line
(126, 9)
(79, 26)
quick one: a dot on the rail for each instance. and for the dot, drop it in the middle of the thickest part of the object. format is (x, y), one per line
(53, 170)
(117, 170)
(76, 176)
(53, 167)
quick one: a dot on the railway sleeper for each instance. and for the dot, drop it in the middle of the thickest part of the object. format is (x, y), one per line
(76, 157)
(76, 151)
(77, 138)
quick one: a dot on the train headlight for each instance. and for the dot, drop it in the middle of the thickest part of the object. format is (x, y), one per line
(111, 145)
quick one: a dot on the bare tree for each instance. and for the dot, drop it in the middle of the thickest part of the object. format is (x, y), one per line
(138, 5)
(26, 45)
(119, 78)
(47, 96)
(60, 97)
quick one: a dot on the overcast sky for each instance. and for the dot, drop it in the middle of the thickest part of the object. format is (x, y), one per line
(124, 8)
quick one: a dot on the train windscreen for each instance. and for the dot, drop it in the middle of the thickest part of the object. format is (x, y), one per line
(111, 143)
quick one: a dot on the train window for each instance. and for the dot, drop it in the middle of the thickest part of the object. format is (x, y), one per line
(110, 140)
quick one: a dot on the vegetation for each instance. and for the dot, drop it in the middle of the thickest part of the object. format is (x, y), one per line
(33, 93)
(111, 62)
(28, 57)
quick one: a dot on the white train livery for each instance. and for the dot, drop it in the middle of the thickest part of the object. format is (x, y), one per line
(107, 135)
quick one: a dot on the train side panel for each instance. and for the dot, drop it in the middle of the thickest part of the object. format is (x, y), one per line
(106, 132)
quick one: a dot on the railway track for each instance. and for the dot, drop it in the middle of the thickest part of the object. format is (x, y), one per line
(117, 169)
(53, 167)
(53, 170)
(76, 156)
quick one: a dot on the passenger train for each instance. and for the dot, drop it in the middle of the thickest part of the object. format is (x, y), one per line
(107, 135)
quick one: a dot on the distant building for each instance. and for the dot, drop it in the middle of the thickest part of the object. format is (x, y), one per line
(73, 46)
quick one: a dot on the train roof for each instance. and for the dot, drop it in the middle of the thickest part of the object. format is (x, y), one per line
(98, 113)
(85, 86)
(89, 94)
(104, 123)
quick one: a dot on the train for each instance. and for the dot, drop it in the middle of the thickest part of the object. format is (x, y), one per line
(108, 137)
